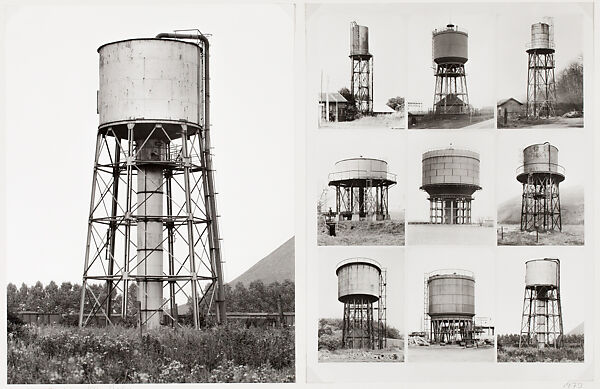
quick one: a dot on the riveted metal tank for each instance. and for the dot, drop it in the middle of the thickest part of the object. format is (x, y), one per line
(541, 158)
(542, 272)
(450, 45)
(451, 294)
(358, 278)
(540, 36)
(361, 168)
(359, 39)
(450, 167)
(152, 80)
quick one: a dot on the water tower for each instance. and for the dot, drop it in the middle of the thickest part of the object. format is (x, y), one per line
(451, 305)
(540, 175)
(541, 88)
(361, 188)
(361, 287)
(361, 79)
(450, 177)
(450, 53)
(153, 216)
(541, 322)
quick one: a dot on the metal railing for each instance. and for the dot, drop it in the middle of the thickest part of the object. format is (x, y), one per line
(541, 167)
(362, 174)
(447, 272)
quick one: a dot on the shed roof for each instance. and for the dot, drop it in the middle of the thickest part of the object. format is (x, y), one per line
(333, 97)
(504, 101)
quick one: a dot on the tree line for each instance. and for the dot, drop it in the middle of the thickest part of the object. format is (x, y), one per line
(66, 298)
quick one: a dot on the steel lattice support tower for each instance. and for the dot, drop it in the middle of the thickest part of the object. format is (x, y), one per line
(540, 205)
(541, 319)
(153, 217)
(541, 87)
(358, 330)
(451, 95)
(362, 199)
(361, 82)
(447, 330)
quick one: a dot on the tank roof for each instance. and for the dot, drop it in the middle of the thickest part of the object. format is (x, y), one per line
(451, 272)
(148, 39)
(362, 158)
(544, 259)
(451, 152)
(356, 261)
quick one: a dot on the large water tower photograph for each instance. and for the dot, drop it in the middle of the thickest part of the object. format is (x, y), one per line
(450, 305)
(361, 305)
(541, 181)
(541, 56)
(356, 65)
(359, 189)
(451, 67)
(450, 189)
(147, 263)
(543, 306)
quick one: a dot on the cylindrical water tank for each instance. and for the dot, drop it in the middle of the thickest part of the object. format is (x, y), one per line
(150, 79)
(542, 157)
(359, 40)
(542, 272)
(451, 294)
(540, 36)
(450, 166)
(358, 278)
(361, 169)
(450, 45)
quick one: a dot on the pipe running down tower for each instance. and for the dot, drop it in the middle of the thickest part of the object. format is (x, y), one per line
(541, 321)
(541, 87)
(540, 175)
(450, 53)
(361, 287)
(361, 78)
(153, 217)
(451, 308)
(450, 177)
(361, 188)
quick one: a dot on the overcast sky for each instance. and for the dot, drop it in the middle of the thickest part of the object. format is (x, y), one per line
(511, 145)
(51, 83)
(328, 47)
(516, 33)
(333, 146)
(392, 259)
(510, 281)
(482, 142)
(423, 260)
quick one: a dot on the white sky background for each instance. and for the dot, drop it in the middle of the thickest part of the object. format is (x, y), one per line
(482, 142)
(479, 22)
(392, 259)
(423, 260)
(328, 47)
(516, 34)
(511, 145)
(51, 83)
(510, 281)
(333, 146)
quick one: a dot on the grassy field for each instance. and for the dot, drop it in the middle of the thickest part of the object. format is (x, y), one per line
(453, 122)
(330, 346)
(115, 355)
(362, 233)
(511, 235)
(509, 351)
(556, 122)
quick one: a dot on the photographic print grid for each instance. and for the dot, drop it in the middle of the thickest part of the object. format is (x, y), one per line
(300, 193)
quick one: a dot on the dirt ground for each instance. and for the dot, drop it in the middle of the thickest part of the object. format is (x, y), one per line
(385, 121)
(444, 234)
(450, 353)
(556, 122)
(511, 235)
(458, 122)
(390, 354)
(363, 233)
